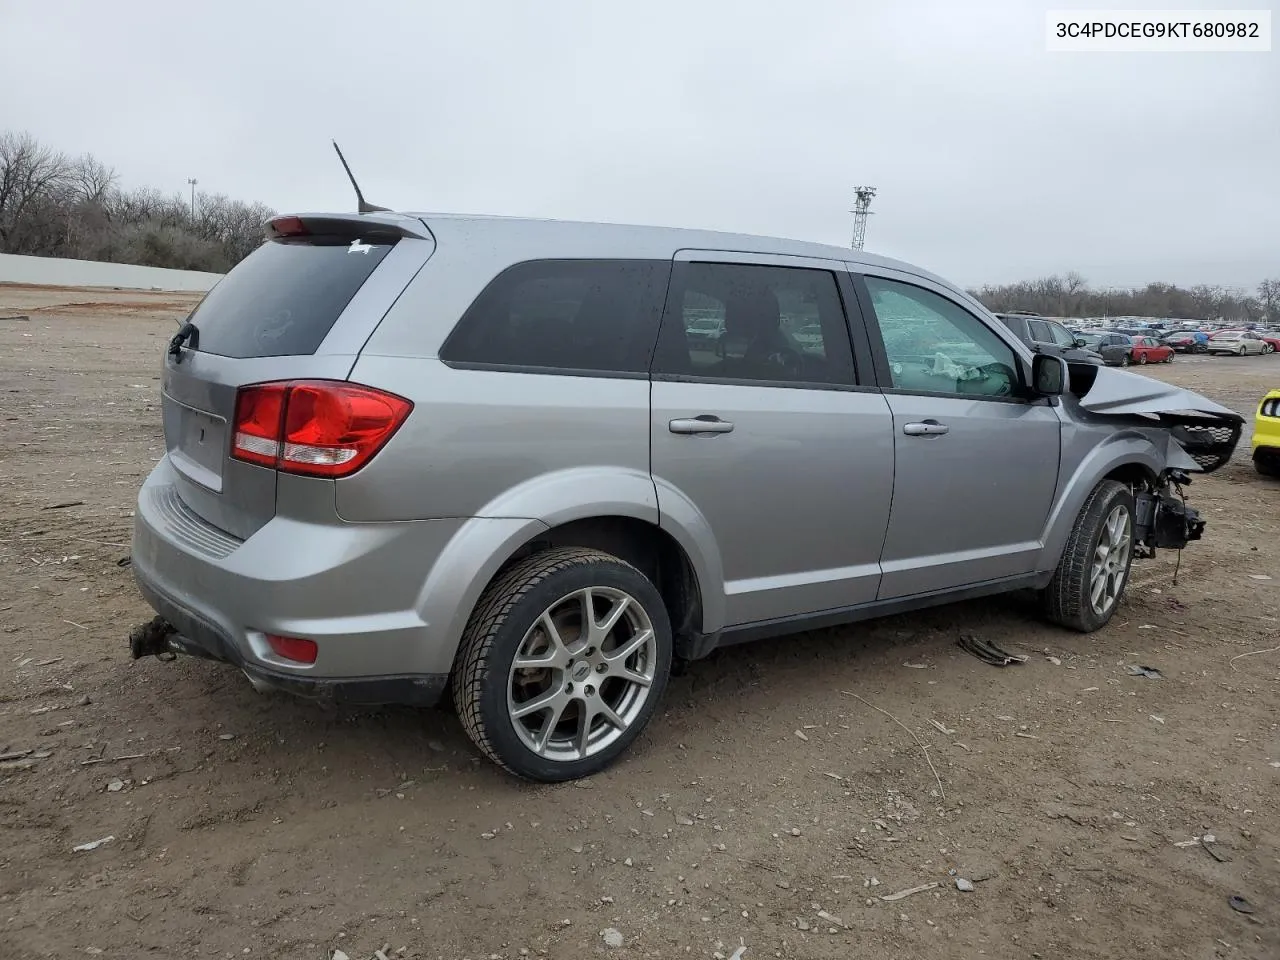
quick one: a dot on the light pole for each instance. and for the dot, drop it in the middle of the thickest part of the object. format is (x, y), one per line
(193, 181)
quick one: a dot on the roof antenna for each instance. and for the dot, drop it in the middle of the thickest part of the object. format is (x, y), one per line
(362, 205)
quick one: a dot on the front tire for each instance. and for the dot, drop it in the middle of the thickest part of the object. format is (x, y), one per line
(1094, 570)
(1242, 351)
(563, 663)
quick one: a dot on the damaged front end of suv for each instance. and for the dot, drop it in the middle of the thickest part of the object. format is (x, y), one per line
(1189, 433)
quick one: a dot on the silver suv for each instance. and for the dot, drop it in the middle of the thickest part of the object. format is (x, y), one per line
(534, 463)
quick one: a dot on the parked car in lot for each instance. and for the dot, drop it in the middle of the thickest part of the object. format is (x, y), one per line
(1269, 340)
(411, 454)
(1149, 350)
(1188, 341)
(1238, 342)
(1266, 435)
(1112, 347)
(1049, 336)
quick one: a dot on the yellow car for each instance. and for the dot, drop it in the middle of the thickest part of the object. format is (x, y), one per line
(1266, 435)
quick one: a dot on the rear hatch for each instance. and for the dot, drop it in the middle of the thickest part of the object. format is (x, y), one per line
(300, 307)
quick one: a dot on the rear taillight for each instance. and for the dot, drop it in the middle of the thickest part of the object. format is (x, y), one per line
(318, 428)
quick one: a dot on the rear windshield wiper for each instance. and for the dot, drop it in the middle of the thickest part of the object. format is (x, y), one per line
(189, 335)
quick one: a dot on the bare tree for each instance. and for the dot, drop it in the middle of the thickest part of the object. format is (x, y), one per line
(29, 175)
(1071, 296)
(1269, 299)
(52, 205)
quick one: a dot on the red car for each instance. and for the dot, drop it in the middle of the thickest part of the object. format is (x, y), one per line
(1149, 350)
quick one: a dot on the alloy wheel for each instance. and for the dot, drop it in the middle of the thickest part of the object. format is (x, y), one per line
(582, 674)
(1111, 560)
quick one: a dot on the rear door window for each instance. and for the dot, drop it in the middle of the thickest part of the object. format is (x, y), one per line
(565, 316)
(752, 322)
(284, 298)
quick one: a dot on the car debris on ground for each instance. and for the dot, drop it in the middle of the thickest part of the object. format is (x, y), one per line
(988, 652)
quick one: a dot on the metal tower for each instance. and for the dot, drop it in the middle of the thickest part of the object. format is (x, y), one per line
(861, 210)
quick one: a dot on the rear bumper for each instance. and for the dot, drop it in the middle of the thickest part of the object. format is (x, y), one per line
(355, 589)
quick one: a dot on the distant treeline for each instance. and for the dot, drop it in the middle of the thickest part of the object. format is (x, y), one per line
(1071, 296)
(55, 205)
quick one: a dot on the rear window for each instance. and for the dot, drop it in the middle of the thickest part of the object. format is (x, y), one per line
(565, 315)
(283, 299)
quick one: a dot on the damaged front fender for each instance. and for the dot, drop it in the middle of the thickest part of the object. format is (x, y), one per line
(1203, 434)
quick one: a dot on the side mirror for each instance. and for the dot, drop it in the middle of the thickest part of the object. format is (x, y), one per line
(1081, 342)
(1049, 375)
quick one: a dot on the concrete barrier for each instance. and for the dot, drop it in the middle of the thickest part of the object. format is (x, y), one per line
(59, 272)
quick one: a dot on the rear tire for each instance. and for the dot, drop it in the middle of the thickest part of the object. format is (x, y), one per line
(1242, 351)
(1142, 358)
(1100, 547)
(601, 681)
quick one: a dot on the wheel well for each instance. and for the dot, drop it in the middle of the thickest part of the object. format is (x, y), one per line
(645, 546)
(1133, 475)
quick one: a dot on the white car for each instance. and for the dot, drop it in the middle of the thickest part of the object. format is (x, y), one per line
(1237, 342)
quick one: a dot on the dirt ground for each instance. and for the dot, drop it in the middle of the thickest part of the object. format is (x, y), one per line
(765, 807)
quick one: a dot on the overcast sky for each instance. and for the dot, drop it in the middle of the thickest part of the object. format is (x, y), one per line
(994, 159)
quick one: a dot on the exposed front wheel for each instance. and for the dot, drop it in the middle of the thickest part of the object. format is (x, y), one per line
(1268, 348)
(562, 664)
(1094, 569)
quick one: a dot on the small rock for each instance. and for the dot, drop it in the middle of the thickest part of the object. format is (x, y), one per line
(684, 821)
(339, 955)
(795, 831)
(435, 745)
(801, 734)
(802, 924)
(963, 885)
(487, 836)
(226, 736)
(628, 862)
(115, 786)
(612, 937)
(606, 899)
(577, 848)
(84, 701)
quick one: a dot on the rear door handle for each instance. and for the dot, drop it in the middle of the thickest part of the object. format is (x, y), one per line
(926, 428)
(705, 423)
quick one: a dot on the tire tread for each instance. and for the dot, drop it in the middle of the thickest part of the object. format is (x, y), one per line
(1064, 598)
(471, 665)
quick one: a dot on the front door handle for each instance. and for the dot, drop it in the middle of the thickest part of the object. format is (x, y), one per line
(705, 423)
(926, 428)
